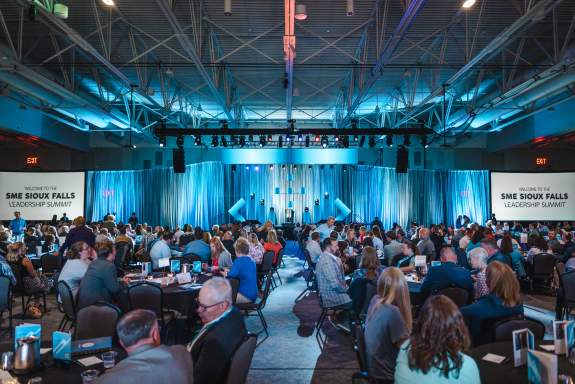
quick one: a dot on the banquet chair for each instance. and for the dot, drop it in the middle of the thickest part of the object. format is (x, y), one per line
(309, 276)
(460, 296)
(360, 352)
(257, 306)
(67, 305)
(50, 264)
(242, 360)
(98, 320)
(567, 285)
(25, 294)
(6, 300)
(235, 284)
(488, 328)
(503, 330)
(122, 251)
(278, 264)
(325, 312)
(267, 266)
(370, 292)
(150, 296)
(542, 269)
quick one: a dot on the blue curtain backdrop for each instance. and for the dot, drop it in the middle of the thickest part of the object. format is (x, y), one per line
(206, 191)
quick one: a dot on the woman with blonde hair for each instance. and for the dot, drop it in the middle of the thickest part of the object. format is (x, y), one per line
(388, 324)
(503, 300)
(272, 244)
(221, 258)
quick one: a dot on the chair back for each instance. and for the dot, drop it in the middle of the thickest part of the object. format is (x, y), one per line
(370, 291)
(568, 284)
(51, 263)
(462, 258)
(458, 295)
(543, 266)
(279, 258)
(98, 320)
(146, 296)
(17, 272)
(5, 293)
(122, 250)
(67, 298)
(487, 328)
(503, 330)
(235, 283)
(266, 292)
(242, 360)
(308, 259)
(360, 349)
(560, 268)
(267, 262)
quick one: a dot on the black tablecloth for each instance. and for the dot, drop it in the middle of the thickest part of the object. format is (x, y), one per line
(414, 292)
(506, 373)
(50, 373)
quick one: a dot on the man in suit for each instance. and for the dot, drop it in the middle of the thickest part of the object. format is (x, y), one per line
(223, 332)
(148, 361)
(446, 274)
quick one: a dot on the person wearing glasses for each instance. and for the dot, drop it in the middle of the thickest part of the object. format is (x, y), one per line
(222, 333)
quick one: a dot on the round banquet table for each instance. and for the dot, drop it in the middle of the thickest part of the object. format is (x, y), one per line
(52, 373)
(415, 292)
(506, 372)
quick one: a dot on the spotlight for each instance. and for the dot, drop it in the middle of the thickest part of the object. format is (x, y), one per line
(283, 166)
(316, 139)
(294, 167)
(307, 141)
(224, 141)
(252, 196)
(257, 168)
(233, 167)
(198, 141)
(262, 201)
(424, 143)
(288, 138)
(362, 141)
(389, 140)
(300, 12)
(227, 7)
(280, 141)
(262, 141)
(269, 138)
(349, 8)
(162, 141)
(371, 141)
(316, 202)
(242, 141)
(109, 3)
(326, 195)
(406, 140)
(345, 168)
(324, 141)
(247, 167)
(299, 138)
(468, 4)
(214, 141)
(355, 138)
(271, 167)
(180, 141)
(336, 139)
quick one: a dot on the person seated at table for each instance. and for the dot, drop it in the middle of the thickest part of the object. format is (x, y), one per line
(256, 249)
(221, 258)
(434, 352)
(32, 280)
(109, 222)
(79, 257)
(272, 244)
(368, 240)
(31, 241)
(478, 260)
(405, 260)
(495, 253)
(477, 234)
(228, 242)
(6, 271)
(511, 253)
(123, 237)
(331, 282)
(161, 249)
(377, 238)
(351, 239)
(100, 283)
(314, 248)
(103, 236)
(539, 245)
(244, 269)
(4, 237)
(447, 274)
(49, 243)
(186, 236)
(346, 255)
(425, 246)
(200, 246)
(503, 300)
(369, 267)
(387, 325)
(222, 333)
(148, 360)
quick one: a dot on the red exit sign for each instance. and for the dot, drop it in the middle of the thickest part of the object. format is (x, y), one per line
(542, 161)
(32, 161)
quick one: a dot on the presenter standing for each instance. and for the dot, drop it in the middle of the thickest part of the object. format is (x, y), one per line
(17, 225)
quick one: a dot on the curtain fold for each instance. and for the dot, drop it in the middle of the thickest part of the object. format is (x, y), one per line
(207, 190)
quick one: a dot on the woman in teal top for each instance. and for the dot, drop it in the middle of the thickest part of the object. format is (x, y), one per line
(516, 257)
(434, 352)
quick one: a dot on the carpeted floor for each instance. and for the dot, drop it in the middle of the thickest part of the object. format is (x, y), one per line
(292, 353)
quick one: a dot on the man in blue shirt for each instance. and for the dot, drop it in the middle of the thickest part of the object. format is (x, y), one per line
(447, 274)
(18, 224)
(494, 253)
(326, 228)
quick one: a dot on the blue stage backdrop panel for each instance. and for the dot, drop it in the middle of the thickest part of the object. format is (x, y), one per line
(203, 194)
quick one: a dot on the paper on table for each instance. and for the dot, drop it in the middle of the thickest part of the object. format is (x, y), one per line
(45, 350)
(4, 375)
(493, 358)
(88, 361)
(548, 347)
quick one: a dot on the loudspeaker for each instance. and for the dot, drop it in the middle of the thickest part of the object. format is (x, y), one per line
(402, 160)
(159, 158)
(179, 161)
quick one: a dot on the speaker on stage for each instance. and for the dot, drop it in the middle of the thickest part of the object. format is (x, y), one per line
(179, 160)
(402, 160)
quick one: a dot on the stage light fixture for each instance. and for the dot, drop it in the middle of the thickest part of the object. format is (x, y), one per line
(307, 141)
(227, 7)
(424, 142)
(162, 141)
(283, 166)
(280, 141)
(233, 167)
(198, 141)
(252, 196)
(180, 141)
(355, 138)
(251, 138)
(299, 138)
(349, 8)
(300, 12)
(389, 140)
(406, 140)
(224, 142)
(362, 141)
(214, 141)
(270, 138)
(271, 167)
(242, 141)
(262, 201)
(324, 141)
(309, 166)
(336, 139)
(262, 141)
(288, 138)
(316, 139)
(371, 142)
(294, 167)
(326, 195)
(468, 4)
(316, 202)
(345, 168)
(257, 168)
(247, 167)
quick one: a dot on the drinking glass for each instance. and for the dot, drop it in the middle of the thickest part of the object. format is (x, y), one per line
(7, 358)
(89, 376)
(35, 380)
(109, 359)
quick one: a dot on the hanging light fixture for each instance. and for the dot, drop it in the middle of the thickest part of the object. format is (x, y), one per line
(389, 140)
(324, 141)
(468, 4)
(109, 3)
(349, 8)
(300, 12)
(227, 7)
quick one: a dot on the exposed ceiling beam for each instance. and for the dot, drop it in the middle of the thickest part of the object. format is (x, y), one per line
(191, 52)
(282, 131)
